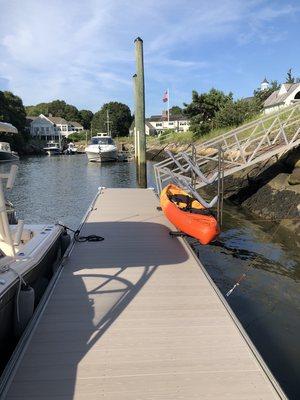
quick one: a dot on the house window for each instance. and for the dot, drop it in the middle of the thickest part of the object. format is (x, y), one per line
(47, 129)
(36, 130)
(158, 124)
(42, 129)
(171, 123)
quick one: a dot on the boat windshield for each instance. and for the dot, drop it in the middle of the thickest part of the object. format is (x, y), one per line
(102, 140)
(52, 145)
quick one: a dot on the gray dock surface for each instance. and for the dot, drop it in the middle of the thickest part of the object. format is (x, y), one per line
(136, 317)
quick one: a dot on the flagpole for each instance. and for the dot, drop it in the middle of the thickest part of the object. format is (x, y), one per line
(168, 107)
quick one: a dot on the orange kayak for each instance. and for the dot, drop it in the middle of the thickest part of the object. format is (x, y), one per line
(188, 215)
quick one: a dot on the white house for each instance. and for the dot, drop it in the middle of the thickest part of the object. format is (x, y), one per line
(178, 123)
(288, 94)
(50, 128)
(74, 126)
(156, 124)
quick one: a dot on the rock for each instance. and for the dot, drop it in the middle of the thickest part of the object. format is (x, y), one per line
(294, 178)
(279, 182)
(208, 151)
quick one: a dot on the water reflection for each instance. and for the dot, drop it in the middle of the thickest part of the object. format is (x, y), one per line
(267, 302)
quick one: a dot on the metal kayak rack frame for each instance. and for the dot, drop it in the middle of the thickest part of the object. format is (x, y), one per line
(209, 162)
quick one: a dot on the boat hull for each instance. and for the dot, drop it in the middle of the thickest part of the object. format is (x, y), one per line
(204, 228)
(53, 152)
(38, 275)
(6, 156)
(104, 156)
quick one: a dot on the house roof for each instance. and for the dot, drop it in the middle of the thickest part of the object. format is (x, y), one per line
(275, 98)
(175, 117)
(265, 80)
(57, 120)
(74, 123)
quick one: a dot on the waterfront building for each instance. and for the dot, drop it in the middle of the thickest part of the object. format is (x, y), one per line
(288, 94)
(50, 128)
(157, 124)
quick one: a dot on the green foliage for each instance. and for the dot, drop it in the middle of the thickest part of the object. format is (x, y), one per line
(119, 116)
(289, 77)
(262, 95)
(235, 113)
(35, 111)
(59, 108)
(203, 109)
(12, 110)
(86, 117)
(176, 110)
(78, 136)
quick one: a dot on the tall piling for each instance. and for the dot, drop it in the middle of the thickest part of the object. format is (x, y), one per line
(140, 113)
(135, 131)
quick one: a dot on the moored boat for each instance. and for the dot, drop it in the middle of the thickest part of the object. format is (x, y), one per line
(71, 149)
(53, 148)
(29, 257)
(6, 154)
(101, 148)
(188, 215)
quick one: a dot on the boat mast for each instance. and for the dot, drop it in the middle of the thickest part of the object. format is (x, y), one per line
(107, 122)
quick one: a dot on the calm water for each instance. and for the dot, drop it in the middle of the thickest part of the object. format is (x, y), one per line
(267, 302)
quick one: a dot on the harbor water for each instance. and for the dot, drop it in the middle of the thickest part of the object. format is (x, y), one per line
(267, 300)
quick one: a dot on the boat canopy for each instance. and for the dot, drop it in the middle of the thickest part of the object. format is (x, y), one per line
(101, 140)
(6, 127)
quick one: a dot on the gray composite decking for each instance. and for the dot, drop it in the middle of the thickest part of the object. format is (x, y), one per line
(136, 317)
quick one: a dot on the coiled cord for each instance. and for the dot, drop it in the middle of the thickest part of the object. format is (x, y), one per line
(80, 239)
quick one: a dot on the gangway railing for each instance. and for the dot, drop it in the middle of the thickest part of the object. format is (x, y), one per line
(257, 141)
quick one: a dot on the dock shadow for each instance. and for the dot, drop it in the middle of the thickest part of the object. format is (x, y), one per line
(98, 283)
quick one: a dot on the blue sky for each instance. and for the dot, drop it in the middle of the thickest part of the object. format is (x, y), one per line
(83, 51)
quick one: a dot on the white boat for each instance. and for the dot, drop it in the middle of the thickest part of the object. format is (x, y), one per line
(101, 148)
(29, 257)
(53, 148)
(6, 154)
(71, 149)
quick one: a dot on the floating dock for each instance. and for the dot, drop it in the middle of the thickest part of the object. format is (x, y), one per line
(137, 317)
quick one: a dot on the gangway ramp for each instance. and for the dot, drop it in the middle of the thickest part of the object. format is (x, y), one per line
(137, 317)
(243, 147)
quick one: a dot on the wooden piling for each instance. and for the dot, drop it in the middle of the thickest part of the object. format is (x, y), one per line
(140, 113)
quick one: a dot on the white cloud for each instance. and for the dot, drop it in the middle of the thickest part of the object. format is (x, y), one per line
(83, 51)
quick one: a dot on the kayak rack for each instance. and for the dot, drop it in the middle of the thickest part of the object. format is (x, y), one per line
(210, 162)
(188, 173)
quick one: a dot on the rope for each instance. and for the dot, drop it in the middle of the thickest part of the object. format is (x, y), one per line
(80, 239)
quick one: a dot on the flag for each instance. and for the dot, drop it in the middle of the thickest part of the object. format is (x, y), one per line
(165, 96)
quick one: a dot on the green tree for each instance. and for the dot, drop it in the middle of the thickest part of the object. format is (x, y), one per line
(176, 110)
(57, 108)
(85, 118)
(203, 109)
(119, 116)
(234, 113)
(35, 111)
(262, 95)
(289, 77)
(12, 110)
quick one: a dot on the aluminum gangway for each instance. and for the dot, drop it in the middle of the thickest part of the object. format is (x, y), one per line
(252, 143)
